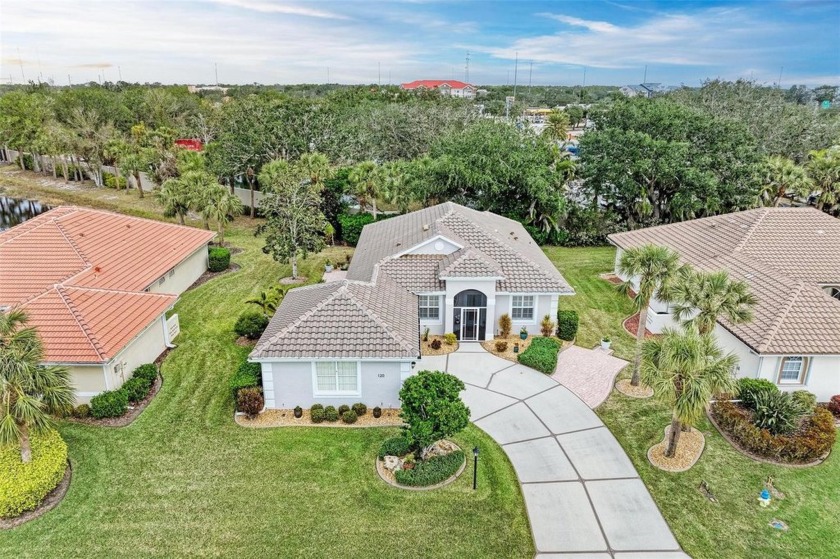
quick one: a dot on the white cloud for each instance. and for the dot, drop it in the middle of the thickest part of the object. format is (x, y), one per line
(275, 8)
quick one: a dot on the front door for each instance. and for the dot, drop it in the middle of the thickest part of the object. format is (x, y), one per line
(469, 324)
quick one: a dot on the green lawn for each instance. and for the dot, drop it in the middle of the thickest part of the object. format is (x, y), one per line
(184, 480)
(735, 526)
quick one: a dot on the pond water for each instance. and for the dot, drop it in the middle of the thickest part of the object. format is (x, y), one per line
(17, 210)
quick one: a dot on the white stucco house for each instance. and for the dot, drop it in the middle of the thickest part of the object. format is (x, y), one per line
(447, 268)
(790, 258)
(98, 286)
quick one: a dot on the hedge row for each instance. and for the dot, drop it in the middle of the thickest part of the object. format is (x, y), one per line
(248, 375)
(219, 259)
(431, 471)
(114, 403)
(809, 443)
(567, 325)
(24, 486)
(541, 355)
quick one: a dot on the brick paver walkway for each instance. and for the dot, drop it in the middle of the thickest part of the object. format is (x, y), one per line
(589, 373)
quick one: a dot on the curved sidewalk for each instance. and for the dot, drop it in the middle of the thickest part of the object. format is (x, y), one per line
(584, 498)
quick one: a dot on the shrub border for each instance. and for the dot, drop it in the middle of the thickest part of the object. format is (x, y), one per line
(130, 416)
(379, 465)
(52, 499)
(757, 457)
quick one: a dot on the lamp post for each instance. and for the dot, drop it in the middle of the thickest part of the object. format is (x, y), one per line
(475, 468)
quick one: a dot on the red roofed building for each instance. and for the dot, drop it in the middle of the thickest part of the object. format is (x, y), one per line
(454, 88)
(97, 286)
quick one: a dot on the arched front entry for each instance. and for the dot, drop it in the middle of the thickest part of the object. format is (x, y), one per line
(470, 315)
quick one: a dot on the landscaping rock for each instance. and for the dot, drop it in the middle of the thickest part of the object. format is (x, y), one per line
(393, 463)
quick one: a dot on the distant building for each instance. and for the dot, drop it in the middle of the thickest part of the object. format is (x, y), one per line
(197, 88)
(452, 88)
(644, 90)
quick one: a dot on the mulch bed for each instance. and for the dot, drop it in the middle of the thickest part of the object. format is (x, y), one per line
(631, 326)
(50, 501)
(132, 413)
(641, 392)
(286, 418)
(208, 275)
(426, 347)
(293, 281)
(615, 280)
(689, 449)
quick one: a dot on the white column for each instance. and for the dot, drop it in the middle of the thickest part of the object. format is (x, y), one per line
(268, 386)
(448, 325)
(553, 307)
(490, 327)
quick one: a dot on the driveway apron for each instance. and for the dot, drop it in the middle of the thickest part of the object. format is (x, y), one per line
(584, 498)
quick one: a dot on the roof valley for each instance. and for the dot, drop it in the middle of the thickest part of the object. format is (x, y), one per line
(77, 315)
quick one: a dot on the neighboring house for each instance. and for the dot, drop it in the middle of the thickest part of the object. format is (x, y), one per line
(446, 268)
(790, 257)
(645, 89)
(97, 286)
(453, 88)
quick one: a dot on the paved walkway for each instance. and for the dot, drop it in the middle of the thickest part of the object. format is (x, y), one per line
(589, 373)
(583, 495)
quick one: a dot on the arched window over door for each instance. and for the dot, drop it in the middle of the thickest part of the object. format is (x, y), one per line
(470, 315)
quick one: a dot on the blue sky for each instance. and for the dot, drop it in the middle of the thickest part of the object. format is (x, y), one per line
(355, 41)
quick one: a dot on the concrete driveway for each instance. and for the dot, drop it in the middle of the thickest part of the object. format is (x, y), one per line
(583, 495)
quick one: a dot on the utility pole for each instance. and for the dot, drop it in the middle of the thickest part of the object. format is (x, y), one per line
(779, 84)
(20, 61)
(379, 70)
(69, 82)
(119, 72)
(644, 79)
(515, 73)
(328, 74)
(530, 71)
(216, 68)
(584, 85)
(467, 69)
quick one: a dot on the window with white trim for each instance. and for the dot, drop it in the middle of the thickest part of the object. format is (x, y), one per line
(429, 307)
(522, 307)
(793, 370)
(336, 377)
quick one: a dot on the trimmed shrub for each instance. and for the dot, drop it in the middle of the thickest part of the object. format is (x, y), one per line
(111, 403)
(82, 411)
(395, 446)
(330, 413)
(250, 401)
(377, 412)
(24, 486)
(148, 371)
(435, 344)
(450, 338)
(813, 440)
(776, 411)
(316, 414)
(113, 181)
(219, 259)
(343, 408)
(251, 324)
(505, 324)
(541, 355)
(834, 405)
(298, 411)
(352, 225)
(748, 388)
(359, 408)
(246, 376)
(547, 327)
(349, 417)
(567, 325)
(501, 346)
(316, 407)
(431, 471)
(136, 388)
(806, 401)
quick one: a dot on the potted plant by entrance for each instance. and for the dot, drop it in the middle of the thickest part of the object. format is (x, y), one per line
(605, 342)
(523, 333)
(328, 267)
(298, 412)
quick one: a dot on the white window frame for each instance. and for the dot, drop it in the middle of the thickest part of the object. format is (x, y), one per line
(420, 305)
(805, 364)
(533, 308)
(336, 393)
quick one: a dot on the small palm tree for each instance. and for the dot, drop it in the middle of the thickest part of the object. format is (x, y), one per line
(29, 392)
(824, 169)
(367, 180)
(316, 166)
(700, 298)
(780, 176)
(191, 190)
(269, 300)
(654, 267)
(556, 126)
(394, 187)
(224, 208)
(685, 369)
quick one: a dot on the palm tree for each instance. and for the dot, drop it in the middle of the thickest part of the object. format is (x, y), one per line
(316, 166)
(700, 298)
(685, 369)
(556, 126)
(223, 208)
(779, 177)
(654, 267)
(29, 392)
(178, 195)
(268, 301)
(367, 180)
(823, 167)
(394, 187)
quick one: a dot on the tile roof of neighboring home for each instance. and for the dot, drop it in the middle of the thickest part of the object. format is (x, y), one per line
(343, 319)
(432, 84)
(784, 254)
(80, 275)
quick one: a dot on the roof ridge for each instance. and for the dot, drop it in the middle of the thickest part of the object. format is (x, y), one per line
(118, 291)
(73, 245)
(77, 315)
(29, 225)
(781, 318)
(751, 230)
(381, 321)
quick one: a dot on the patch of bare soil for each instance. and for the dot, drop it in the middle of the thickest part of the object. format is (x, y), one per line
(242, 341)
(642, 391)
(689, 448)
(427, 349)
(132, 413)
(286, 418)
(293, 281)
(208, 275)
(631, 325)
(490, 345)
(50, 501)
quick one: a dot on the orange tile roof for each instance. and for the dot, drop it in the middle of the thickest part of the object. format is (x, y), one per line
(80, 275)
